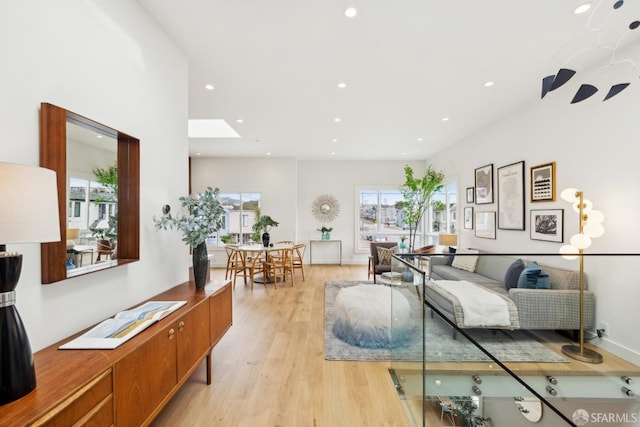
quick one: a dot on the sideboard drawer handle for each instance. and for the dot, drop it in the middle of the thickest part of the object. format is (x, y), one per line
(171, 333)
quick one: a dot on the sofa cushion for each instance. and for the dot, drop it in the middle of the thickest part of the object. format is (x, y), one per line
(513, 274)
(466, 262)
(450, 258)
(385, 254)
(534, 277)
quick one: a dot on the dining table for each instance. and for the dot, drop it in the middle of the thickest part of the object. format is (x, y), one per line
(266, 249)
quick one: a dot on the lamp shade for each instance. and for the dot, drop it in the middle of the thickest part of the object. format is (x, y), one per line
(446, 239)
(29, 196)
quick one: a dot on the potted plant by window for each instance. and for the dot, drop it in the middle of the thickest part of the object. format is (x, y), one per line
(417, 193)
(106, 230)
(201, 216)
(263, 225)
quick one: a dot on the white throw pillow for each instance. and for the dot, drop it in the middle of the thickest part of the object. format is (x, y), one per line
(467, 262)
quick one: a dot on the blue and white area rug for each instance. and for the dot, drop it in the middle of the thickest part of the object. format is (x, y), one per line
(507, 346)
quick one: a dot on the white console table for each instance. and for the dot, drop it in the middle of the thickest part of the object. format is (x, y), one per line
(335, 242)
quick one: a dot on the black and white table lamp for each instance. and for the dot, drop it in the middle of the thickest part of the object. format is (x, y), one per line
(28, 214)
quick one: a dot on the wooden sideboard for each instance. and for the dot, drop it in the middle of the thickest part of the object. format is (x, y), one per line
(129, 385)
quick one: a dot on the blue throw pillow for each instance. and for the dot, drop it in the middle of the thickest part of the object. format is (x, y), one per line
(513, 274)
(533, 277)
(451, 257)
(529, 276)
(543, 281)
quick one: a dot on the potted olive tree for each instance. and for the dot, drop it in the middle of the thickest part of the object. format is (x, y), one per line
(201, 215)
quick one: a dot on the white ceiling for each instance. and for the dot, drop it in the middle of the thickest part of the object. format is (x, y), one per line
(407, 65)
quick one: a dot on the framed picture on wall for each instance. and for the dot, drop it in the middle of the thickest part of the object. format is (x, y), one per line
(511, 197)
(484, 184)
(470, 191)
(486, 225)
(468, 218)
(547, 225)
(543, 183)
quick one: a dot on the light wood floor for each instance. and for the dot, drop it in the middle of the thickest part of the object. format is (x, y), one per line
(269, 369)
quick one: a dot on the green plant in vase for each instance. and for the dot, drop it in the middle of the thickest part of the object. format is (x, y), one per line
(326, 232)
(200, 217)
(264, 224)
(403, 245)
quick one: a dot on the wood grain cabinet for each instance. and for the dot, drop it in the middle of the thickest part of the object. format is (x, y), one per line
(127, 386)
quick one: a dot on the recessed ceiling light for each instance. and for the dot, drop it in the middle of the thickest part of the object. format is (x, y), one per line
(488, 84)
(268, 154)
(403, 153)
(420, 139)
(209, 87)
(445, 119)
(197, 154)
(99, 136)
(333, 153)
(239, 121)
(337, 119)
(334, 140)
(350, 12)
(342, 85)
(582, 8)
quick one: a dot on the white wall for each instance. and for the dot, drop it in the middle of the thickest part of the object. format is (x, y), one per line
(288, 188)
(593, 144)
(106, 60)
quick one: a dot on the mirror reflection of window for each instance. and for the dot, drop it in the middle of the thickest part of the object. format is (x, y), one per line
(89, 202)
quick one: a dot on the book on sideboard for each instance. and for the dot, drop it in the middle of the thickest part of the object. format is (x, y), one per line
(117, 330)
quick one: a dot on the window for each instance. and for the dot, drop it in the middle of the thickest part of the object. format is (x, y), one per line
(240, 215)
(443, 213)
(380, 217)
(89, 203)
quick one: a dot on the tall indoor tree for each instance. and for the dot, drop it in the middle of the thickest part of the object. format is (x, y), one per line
(417, 193)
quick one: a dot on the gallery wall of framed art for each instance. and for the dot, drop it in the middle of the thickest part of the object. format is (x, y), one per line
(510, 186)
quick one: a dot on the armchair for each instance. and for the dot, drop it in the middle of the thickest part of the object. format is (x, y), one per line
(375, 267)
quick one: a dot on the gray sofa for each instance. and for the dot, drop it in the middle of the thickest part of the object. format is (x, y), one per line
(557, 308)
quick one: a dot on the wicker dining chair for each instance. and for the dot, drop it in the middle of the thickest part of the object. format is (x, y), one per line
(279, 265)
(298, 257)
(253, 264)
(233, 261)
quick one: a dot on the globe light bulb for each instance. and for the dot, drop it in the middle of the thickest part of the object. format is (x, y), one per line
(569, 252)
(595, 217)
(593, 230)
(580, 241)
(569, 195)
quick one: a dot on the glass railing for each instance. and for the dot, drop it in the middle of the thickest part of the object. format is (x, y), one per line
(470, 352)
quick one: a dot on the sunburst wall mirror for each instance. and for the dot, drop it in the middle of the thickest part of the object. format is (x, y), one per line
(325, 208)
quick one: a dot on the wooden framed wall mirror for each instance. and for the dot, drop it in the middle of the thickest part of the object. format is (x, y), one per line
(76, 147)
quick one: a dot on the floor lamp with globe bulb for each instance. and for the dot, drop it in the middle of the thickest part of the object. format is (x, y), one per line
(590, 226)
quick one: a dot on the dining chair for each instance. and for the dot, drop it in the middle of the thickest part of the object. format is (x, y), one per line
(279, 265)
(253, 262)
(298, 257)
(233, 261)
(285, 242)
